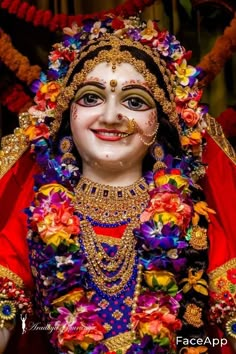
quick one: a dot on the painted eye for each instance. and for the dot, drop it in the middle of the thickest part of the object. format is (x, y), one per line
(136, 104)
(89, 100)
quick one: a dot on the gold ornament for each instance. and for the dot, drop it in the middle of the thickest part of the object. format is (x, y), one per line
(198, 238)
(193, 315)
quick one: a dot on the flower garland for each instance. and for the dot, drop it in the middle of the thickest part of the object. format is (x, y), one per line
(24, 10)
(223, 49)
(17, 62)
(166, 234)
(15, 99)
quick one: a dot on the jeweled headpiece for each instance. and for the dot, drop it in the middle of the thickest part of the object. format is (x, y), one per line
(180, 101)
(176, 89)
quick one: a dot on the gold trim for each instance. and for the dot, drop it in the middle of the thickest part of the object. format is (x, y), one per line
(112, 241)
(14, 145)
(120, 342)
(216, 132)
(222, 269)
(6, 272)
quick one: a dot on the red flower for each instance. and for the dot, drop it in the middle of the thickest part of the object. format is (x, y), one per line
(231, 275)
(22, 10)
(30, 14)
(14, 7)
(117, 23)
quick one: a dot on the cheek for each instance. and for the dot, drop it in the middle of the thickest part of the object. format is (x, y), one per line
(151, 121)
(74, 113)
(148, 122)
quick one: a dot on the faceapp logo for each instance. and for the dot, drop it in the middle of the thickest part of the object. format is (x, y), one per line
(23, 322)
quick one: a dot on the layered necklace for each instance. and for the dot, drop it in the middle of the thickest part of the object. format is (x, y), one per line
(110, 207)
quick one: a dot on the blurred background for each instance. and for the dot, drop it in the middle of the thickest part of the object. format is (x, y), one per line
(30, 27)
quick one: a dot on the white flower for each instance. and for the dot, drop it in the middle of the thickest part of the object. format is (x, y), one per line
(62, 260)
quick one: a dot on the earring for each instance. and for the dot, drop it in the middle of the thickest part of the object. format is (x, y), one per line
(65, 148)
(158, 154)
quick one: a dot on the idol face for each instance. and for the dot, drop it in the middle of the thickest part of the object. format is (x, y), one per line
(101, 115)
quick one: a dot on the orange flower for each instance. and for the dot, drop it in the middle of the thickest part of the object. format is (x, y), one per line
(36, 131)
(193, 138)
(17, 62)
(189, 116)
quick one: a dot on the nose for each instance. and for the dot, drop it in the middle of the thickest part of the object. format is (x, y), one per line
(110, 114)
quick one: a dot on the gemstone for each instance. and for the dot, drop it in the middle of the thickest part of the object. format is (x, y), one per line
(233, 327)
(6, 310)
(105, 193)
(93, 190)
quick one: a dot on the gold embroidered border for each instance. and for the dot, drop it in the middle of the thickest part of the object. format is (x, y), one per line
(220, 271)
(14, 145)
(216, 132)
(5, 272)
(120, 342)
(112, 241)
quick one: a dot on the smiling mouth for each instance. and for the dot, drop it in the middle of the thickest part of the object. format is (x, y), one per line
(110, 135)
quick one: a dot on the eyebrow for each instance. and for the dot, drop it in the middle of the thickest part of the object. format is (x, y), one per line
(136, 86)
(94, 83)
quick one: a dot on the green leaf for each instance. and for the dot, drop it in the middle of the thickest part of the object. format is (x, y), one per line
(232, 288)
(187, 5)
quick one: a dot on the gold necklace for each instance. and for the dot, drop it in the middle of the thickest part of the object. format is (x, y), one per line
(100, 264)
(104, 202)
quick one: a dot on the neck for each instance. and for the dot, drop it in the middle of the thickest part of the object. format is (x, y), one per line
(117, 176)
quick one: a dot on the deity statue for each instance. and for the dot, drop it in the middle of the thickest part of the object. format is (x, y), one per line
(117, 234)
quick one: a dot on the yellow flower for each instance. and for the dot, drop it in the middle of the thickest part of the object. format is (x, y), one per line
(165, 217)
(57, 238)
(60, 275)
(182, 92)
(54, 187)
(162, 277)
(180, 181)
(149, 32)
(72, 296)
(194, 281)
(184, 71)
(86, 343)
(192, 104)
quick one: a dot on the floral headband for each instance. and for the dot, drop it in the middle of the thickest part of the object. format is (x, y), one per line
(183, 108)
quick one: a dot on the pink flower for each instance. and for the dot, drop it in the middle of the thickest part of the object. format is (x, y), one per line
(189, 116)
(169, 207)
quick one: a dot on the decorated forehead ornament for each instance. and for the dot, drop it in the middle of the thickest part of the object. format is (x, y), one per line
(175, 88)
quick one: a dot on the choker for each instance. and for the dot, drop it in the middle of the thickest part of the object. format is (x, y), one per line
(103, 202)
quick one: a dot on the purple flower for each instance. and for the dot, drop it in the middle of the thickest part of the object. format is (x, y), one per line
(134, 34)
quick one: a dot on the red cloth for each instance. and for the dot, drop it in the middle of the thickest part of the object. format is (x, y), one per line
(16, 193)
(220, 191)
(227, 120)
